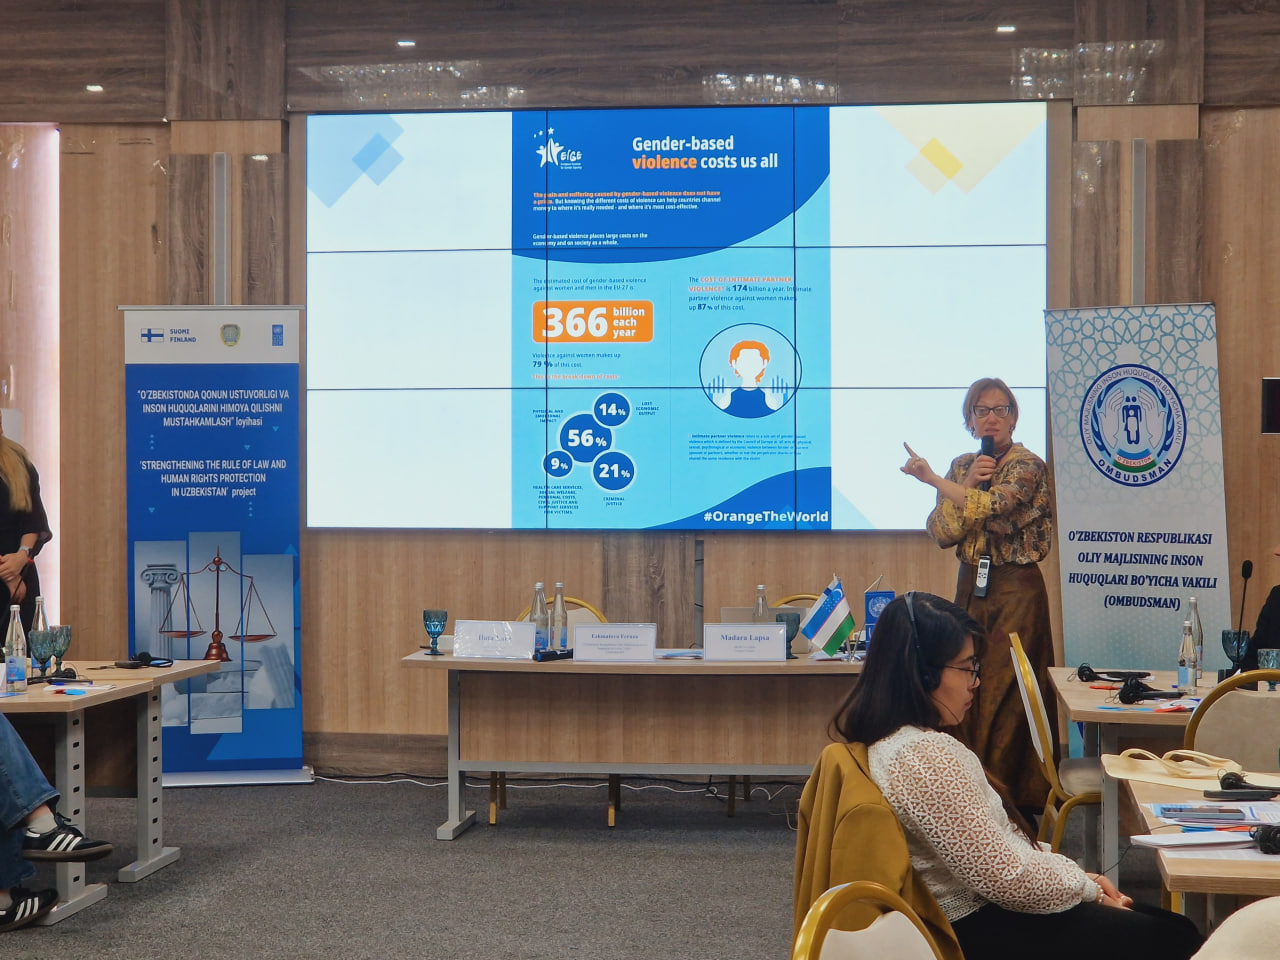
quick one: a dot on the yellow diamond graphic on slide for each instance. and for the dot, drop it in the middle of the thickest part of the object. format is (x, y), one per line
(935, 165)
(961, 144)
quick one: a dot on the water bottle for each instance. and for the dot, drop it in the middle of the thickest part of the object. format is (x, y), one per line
(541, 621)
(559, 620)
(15, 654)
(761, 612)
(1187, 659)
(1197, 635)
(40, 621)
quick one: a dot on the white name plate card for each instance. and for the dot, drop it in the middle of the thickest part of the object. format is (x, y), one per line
(503, 639)
(615, 642)
(744, 641)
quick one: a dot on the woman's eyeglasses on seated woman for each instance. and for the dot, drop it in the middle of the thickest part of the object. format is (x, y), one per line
(974, 669)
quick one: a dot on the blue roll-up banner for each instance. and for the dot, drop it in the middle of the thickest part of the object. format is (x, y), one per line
(1137, 451)
(212, 434)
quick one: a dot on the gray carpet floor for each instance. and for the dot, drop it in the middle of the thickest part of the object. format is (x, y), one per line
(353, 870)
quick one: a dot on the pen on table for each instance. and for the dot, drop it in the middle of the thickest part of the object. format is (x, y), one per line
(73, 683)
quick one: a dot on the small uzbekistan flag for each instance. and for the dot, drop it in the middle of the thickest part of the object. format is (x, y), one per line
(829, 621)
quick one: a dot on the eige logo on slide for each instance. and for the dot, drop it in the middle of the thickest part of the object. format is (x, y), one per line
(1133, 425)
(556, 154)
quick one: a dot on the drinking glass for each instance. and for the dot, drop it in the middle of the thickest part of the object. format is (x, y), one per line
(1235, 644)
(434, 622)
(40, 646)
(1269, 659)
(61, 641)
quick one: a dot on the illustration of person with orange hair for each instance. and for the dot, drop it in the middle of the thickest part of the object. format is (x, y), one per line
(748, 360)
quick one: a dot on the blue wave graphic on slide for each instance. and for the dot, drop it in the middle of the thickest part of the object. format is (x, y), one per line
(771, 503)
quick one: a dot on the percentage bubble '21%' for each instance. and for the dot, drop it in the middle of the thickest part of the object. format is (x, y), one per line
(613, 470)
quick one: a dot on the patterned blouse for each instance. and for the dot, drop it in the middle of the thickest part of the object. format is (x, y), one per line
(962, 843)
(1012, 522)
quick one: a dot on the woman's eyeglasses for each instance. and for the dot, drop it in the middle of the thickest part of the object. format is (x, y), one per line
(974, 669)
(1001, 411)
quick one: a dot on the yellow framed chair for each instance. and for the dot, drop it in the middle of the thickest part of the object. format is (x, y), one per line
(1241, 724)
(580, 611)
(898, 933)
(1072, 782)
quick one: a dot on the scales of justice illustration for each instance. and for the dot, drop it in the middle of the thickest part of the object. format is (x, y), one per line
(214, 702)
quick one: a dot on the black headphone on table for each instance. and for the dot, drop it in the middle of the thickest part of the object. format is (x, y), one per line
(1134, 690)
(930, 676)
(1267, 836)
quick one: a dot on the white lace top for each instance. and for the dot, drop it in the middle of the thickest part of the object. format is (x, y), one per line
(962, 842)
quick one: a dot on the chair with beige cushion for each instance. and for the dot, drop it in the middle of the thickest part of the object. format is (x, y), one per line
(1241, 724)
(1072, 782)
(579, 611)
(897, 934)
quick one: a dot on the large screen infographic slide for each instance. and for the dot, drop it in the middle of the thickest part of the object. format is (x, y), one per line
(692, 318)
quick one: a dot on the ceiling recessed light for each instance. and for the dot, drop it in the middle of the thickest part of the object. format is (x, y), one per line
(406, 43)
(93, 87)
(1006, 28)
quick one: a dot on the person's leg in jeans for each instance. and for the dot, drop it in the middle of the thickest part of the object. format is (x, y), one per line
(23, 790)
(27, 800)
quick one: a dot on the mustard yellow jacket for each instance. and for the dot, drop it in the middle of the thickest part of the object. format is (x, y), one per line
(847, 832)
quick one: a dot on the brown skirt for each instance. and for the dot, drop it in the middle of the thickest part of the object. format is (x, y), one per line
(996, 727)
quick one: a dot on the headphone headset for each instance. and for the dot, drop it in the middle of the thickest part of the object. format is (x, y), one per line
(1230, 780)
(930, 677)
(1134, 690)
(1087, 674)
(1267, 836)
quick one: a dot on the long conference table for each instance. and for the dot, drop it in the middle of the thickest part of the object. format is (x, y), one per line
(673, 717)
(68, 715)
(1105, 720)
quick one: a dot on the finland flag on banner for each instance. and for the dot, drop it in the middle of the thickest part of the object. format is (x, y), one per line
(829, 621)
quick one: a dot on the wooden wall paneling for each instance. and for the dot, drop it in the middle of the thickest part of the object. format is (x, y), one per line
(1241, 249)
(225, 59)
(113, 211)
(1096, 249)
(572, 53)
(649, 577)
(363, 592)
(1139, 51)
(50, 50)
(29, 313)
(733, 563)
(263, 223)
(1173, 122)
(893, 52)
(1061, 121)
(1240, 44)
(1175, 213)
(190, 223)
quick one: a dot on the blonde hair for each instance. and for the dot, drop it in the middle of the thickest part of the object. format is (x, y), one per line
(16, 475)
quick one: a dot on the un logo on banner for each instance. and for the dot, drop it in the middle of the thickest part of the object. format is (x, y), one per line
(1133, 425)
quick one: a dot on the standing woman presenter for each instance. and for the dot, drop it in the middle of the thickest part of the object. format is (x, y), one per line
(24, 529)
(997, 511)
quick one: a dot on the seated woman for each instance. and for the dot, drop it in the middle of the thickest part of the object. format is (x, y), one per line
(1004, 895)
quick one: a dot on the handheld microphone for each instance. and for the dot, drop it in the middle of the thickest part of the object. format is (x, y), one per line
(988, 450)
(1246, 571)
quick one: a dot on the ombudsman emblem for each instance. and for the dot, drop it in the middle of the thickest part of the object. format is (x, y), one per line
(1133, 425)
(230, 334)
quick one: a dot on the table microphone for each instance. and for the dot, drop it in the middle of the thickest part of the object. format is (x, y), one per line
(1246, 571)
(989, 450)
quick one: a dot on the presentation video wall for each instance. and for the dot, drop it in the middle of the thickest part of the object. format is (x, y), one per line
(695, 318)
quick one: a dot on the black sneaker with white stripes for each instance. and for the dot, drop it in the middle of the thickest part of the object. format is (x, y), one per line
(28, 905)
(63, 843)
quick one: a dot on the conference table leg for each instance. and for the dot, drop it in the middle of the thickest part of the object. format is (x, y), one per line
(68, 766)
(459, 819)
(152, 853)
(1109, 739)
